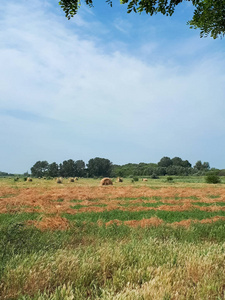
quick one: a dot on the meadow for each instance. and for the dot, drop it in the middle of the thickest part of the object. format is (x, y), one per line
(133, 240)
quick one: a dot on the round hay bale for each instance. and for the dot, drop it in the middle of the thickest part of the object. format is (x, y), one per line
(144, 179)
(106, 181)
(29, 179)
(119, 179)
(71, 180)
(59, 180)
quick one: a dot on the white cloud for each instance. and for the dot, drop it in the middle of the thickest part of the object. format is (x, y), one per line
(91, 102)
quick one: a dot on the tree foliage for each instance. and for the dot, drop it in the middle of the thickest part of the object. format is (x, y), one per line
(71, 168)
(165, 162)
(67, 168)
(40, 169)
(79, 168)
(99, 167)
(209, 15)
(3, 174)
(201, 166)
(53, 169)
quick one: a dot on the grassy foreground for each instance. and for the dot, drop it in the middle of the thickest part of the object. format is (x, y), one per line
(91, 259)
(115, 262)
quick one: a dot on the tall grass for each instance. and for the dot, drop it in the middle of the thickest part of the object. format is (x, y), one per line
(102, 263)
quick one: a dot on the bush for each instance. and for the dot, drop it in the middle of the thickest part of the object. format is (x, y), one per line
(212, 178)
(154, 176)
(169, 178)
(221, 172)
(135, 178)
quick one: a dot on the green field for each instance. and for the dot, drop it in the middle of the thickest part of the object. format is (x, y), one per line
(102, 254)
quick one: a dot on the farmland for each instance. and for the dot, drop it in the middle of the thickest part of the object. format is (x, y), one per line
(142, 240)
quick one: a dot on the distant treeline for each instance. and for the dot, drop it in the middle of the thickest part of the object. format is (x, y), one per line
(5, 174)
(98, 167)
(166, 166)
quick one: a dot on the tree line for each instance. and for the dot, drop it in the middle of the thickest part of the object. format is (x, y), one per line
(102, 167)
(5, 174)
(69, 168)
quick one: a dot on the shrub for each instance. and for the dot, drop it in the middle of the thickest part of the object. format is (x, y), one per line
(212, 178)
(135, 178)
(221, 172)
(154, 176)
(169, 178)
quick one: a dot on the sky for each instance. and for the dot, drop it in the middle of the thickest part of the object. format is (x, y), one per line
(127, 87)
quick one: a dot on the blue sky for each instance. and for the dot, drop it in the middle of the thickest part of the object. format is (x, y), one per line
(127, 87)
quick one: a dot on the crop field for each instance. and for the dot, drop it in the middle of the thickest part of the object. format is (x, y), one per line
(142, 240)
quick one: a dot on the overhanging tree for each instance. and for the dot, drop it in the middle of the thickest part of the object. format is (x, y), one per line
(209, 15)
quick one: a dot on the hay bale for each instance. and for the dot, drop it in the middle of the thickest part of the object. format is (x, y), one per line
(59, 180)
(119, 179)
(71, 180)
(29, 179)
(144, 179)
(106, 181)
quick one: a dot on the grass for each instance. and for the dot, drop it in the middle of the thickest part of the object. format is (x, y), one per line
(157, 204)
(167, 216)
(8, 219)
(6, 196)
(89, 261)
(213, 196)
(210, 204)
(157, 198)
(114, 263)
(152, 183)
(78, 206)
(193, 198)
(75, 200)
(60, 200)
